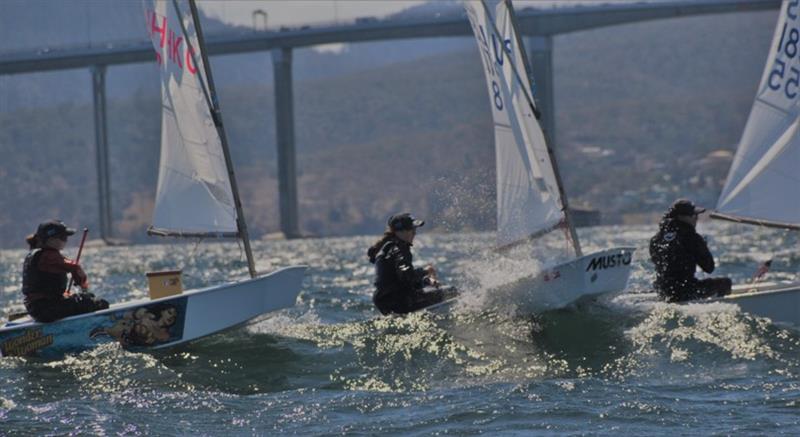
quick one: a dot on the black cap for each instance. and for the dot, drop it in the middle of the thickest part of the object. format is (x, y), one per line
(684, 207)
(404, 222)
(53, 228)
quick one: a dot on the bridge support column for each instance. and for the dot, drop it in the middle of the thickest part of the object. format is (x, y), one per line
(284, 124)
(101, 150)
(540, 54)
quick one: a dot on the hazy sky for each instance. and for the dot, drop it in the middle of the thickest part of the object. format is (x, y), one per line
(294, 12)
(285, 12)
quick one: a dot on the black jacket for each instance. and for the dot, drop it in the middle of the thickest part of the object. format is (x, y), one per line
(676, 250)
(395, 274)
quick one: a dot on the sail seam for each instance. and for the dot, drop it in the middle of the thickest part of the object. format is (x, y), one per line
(773, 106)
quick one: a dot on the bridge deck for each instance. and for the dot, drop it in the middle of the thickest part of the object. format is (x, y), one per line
(532, 23)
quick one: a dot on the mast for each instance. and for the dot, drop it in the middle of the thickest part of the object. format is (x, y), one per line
(213, 106)
(576, 245)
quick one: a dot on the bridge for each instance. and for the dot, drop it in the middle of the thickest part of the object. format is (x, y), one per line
(538, 27)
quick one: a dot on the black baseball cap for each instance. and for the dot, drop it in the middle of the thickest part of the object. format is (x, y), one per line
(685, 207)
(404, 222)
(53, 228)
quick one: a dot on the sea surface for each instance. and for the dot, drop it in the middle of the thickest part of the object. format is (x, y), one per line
(624, 364)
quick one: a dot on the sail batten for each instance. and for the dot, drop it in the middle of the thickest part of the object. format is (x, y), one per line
(528, 194)
(762, 183)
(194, 195)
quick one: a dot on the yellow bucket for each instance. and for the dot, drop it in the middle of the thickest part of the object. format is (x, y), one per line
(163, 284)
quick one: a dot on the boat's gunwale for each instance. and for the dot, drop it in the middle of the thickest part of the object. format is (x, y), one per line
(772, 288)
(136, 303)
(612, 249)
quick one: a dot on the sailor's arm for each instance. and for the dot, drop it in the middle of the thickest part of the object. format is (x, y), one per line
(54, 262)
(403, 267)
(702, 255)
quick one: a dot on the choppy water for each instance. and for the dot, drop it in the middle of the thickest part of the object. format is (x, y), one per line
(330, 365)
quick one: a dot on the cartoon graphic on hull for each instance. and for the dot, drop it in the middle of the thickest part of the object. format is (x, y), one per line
(145, 326)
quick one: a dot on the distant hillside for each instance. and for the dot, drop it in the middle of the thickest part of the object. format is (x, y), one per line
(639, 109)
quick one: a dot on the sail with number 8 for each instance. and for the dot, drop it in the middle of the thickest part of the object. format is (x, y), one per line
(529, 200)
(530, 196)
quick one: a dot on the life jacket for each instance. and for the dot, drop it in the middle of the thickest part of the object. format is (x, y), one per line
(670, 253)
(37, 284)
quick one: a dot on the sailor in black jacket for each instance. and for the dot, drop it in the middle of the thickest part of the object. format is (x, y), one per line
(676, 250)
(398, 285)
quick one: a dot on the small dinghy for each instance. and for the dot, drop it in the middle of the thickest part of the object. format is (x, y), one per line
(531, 201)
(197, 197)
(762, 184)
(159, 323)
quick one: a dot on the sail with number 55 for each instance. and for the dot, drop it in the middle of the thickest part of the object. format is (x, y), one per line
(763, 179)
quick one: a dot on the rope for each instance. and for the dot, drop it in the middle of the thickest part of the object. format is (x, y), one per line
(184, 260)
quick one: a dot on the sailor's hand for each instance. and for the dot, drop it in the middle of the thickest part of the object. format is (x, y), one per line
(430, 280)
(80, 278)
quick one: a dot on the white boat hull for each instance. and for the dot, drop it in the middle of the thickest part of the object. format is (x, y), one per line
(557, 287)
(779, 302)
(155, 324)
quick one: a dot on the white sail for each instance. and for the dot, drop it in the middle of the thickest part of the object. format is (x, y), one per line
(528, 200)
(194, 194)
(764, 178)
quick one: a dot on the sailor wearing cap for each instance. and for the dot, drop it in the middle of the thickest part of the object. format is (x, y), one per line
(676, 250)
(44, 277)
(398, 285)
